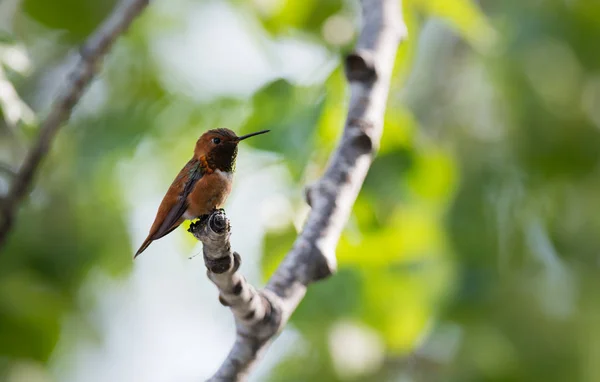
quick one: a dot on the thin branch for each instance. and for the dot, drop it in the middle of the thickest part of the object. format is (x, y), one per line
(222, 269)
(7, 170)
(91, 53)
(312, 257)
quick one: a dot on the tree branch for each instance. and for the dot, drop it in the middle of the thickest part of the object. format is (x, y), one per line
(260, 315)
(91, 53)
(222, 267)
(7, 170)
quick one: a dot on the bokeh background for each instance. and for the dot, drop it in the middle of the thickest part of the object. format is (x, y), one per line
(473, 250)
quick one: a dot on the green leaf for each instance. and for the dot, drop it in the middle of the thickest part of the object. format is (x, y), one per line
(276, 245)
(307, 15)
(76, 17)
(465, 16)
(30, 313)
(291, 113)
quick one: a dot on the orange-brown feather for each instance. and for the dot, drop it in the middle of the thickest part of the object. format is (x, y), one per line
(210, 193)
(205, 166)
(168, 201)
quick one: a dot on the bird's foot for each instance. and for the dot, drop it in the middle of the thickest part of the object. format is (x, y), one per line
(202, 219)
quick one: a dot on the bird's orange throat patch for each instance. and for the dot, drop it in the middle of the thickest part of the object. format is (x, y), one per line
(205, 165)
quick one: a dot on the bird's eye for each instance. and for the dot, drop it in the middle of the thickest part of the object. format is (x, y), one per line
(216, 141)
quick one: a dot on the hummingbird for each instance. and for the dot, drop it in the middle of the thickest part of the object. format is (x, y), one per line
(201, 186)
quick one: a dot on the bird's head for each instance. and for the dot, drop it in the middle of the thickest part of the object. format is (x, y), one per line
(219, 147)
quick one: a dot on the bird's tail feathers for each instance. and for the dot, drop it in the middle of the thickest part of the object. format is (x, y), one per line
(145, 245)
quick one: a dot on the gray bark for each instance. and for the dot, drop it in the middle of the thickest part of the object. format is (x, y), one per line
(260, 315)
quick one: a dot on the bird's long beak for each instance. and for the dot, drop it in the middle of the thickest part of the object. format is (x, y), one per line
(252, 134)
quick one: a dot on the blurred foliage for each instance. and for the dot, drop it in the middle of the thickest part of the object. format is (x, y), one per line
(307, 16)
(472, 250)
(53, 15)
(292, 114)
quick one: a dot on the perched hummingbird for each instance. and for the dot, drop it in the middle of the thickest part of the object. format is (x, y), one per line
(201, 186)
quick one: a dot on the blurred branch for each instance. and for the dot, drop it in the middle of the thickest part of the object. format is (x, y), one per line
(91, 53)
(8, 170)
(261, 315)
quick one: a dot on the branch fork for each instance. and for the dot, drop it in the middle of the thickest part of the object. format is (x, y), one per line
(261, 314)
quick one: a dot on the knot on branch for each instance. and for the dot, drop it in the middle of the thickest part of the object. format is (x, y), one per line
(309, 194)
(218, 222)
(362, 135)
(323, 261)
(222, 264)
(213, 231)
(213, 227)
(219, 265)
(360, 66)
(316, 262)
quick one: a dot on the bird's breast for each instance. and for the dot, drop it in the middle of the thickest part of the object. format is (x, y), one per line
(210, 192)
(227, 176)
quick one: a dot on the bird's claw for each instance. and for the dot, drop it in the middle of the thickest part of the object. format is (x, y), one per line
(202, 219)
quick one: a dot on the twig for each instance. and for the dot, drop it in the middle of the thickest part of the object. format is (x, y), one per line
(312, 257)
(91, 53)
(8, 170)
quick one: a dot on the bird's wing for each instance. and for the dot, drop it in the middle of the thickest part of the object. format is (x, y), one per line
(176, 212)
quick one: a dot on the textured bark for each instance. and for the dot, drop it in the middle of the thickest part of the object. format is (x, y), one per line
(260, 315)
(222, 265)
(94, 49)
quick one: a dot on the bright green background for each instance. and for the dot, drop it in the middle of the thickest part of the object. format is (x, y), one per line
(473, 251)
